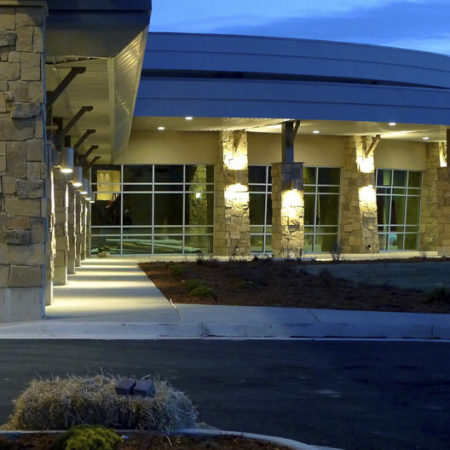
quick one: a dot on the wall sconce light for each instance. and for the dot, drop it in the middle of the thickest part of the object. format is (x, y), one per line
(67, 160)
(92, 197)
(77, 178)
(296, 185)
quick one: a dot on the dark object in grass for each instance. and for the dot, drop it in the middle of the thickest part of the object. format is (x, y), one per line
(439, 295)
(86, 437)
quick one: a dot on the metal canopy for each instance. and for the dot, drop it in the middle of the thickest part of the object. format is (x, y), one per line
(108, 38)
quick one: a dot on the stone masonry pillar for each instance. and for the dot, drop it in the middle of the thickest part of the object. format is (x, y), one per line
(88, 230)
(61, 228)
(287, 210)
(23, 169)
(83, 229)
(429, 212)
(72, 230)
(78, 228)
(231, 211)
(443, 223)
(51, 240)
(359, 224)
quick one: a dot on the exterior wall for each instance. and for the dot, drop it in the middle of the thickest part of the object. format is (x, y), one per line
(402, 155)
(171, 148)
(61, 228)
(443, 225)
(23, 162)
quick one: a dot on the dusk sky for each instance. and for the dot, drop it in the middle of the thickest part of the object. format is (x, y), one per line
(414, 24)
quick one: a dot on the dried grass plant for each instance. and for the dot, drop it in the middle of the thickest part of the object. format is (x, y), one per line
(61, 403)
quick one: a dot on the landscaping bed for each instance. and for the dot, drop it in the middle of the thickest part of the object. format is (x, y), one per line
(145, 441)
(265, 282)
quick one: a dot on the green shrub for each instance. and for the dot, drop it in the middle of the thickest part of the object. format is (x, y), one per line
(246, 284)
(61, 403)
(194, 284)
(85, 437)
(439, 295)
(178, 269)
(203, 291)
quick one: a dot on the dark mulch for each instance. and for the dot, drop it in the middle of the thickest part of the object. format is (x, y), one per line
(147, 441)
(283, 283)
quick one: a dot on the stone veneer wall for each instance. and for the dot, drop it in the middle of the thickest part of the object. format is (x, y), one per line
(429, 201)
(23, 161)
(84, 221)
(358, 224)
(61, 228)
(231, 209)
(72, 230)
(51, 238)
(78, 228)
(443, 222)
(287, 210)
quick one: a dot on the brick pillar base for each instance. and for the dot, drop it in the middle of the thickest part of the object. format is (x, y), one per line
(287, 210)
(231, 211)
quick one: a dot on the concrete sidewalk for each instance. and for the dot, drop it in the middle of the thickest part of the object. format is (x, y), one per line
(113, 299)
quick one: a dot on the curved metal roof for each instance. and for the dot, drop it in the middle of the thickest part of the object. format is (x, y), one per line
(246, 76)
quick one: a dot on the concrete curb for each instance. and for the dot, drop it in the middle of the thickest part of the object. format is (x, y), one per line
(143, 330)
(289, 443)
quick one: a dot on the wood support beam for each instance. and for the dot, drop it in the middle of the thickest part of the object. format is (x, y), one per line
(375, 141)
(52, 96)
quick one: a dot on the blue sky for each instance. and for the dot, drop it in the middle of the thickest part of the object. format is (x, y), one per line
(414, 24)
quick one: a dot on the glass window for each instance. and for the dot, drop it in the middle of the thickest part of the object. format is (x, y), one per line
(137, 174)
(199, 208)
(257, 209)
(137, 209)
(257, 174)
(328, 175)
(168, 209)
(309, 175)
(168, 174)
(398, 208)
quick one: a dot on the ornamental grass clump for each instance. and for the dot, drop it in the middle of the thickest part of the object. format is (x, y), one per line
(85, 437)
(62, 403)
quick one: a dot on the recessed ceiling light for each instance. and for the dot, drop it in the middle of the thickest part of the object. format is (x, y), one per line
(425, 138)
(316, 132)
(188, 117)
(161, 128)
(392, 124)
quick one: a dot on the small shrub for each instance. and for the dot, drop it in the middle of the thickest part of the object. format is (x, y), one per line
(439, 295)
(194, 284)
(203, 291)
(207, 260)
(85, 437)
(336, 252)
(62, 403)
(177, 270)
(246, 284)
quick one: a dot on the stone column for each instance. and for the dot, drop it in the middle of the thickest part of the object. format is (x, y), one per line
(88, 230)
(72, 230)
(443, 222)
(231, 211)
(84, 230)
(429, 200)
(51, 241)
(61, 228)
(287, 210)
(23, 170)
(78, 228)
(359, 223)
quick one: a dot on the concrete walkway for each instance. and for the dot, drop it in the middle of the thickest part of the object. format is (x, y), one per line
(113, 299)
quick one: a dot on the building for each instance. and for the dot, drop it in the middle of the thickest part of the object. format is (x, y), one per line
(238, 145)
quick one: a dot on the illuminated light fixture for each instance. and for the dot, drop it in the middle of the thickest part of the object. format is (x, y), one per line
(77, 178)
(84, 189)
(392, 124)
(425, 138)
(161, 128)
(198, 195)
(316, 132)
(91, 197)
(188, 118)
(67, 160)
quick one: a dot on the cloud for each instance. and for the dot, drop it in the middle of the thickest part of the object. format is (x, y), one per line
(416, 24)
